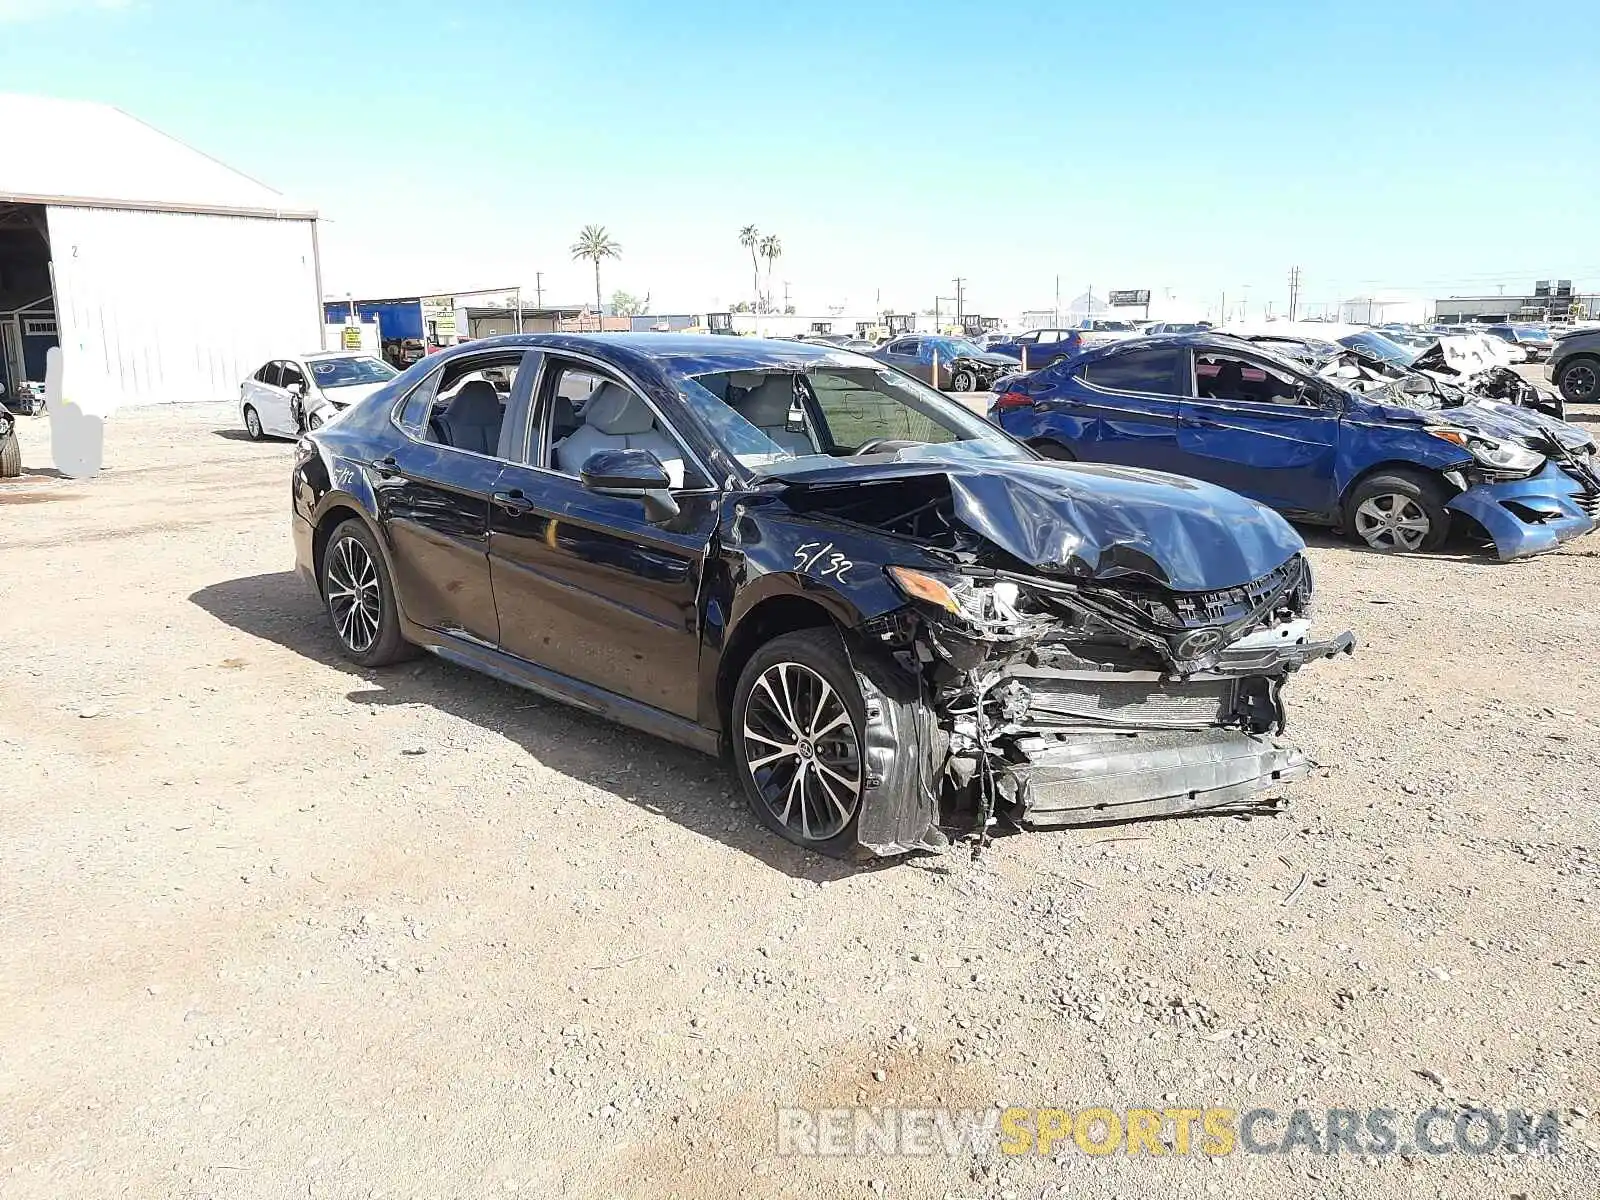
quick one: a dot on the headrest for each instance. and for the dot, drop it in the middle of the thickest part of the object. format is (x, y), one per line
(769, 404)
(477, 396)
(618, 412)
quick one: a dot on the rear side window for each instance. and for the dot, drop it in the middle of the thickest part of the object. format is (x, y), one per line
(1142, 371)
(270, 375)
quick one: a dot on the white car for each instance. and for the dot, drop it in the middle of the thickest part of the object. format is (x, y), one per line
(288, 396)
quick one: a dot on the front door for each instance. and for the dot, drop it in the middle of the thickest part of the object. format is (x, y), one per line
(1254, 428)
(585, 585)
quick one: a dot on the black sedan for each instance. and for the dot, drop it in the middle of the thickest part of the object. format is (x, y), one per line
(896, 619)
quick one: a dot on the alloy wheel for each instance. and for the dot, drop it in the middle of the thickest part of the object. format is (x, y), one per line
(1580, 381)
(252, 422)
(1391, 521)
(802, 752)
(355, 598)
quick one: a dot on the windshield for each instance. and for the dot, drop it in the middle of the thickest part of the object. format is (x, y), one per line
(348, 372)
(831, 412)
(1379, 347)
(953, 347)
(1532, 333)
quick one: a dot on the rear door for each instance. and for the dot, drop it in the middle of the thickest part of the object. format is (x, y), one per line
(1124, 407)
(908, 355)
(274, 403)
(1252, 426)
(585, 586)
(433, 503)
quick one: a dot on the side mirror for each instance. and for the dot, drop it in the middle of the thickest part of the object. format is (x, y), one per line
(297, 389)
(631, 473)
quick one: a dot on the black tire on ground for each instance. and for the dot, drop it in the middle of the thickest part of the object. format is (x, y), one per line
(1054, 450)
(779, 703)
(252, 423)
(1398, 510)
(359, 597)
(964, 381)
(10, 456)
(1579, 380)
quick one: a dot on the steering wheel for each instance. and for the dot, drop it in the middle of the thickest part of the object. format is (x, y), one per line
(871, 444)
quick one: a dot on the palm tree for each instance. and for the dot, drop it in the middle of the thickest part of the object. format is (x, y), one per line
(594, 243)
(771, 248)
(750, 238)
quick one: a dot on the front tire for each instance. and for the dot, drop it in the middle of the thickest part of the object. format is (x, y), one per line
(1398, 512)
(796, 732)
(964, 381)
(359, 596)
(10, 456)
(1580, 380)
(252, 423)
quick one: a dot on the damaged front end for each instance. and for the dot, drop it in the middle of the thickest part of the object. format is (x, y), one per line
(1069, 644)
(1066, 703)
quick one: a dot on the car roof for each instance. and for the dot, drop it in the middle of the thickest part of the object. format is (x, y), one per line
(681, 353)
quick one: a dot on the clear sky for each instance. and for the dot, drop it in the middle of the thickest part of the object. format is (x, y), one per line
(1173, 145)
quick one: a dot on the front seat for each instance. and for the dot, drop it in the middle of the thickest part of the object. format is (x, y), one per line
(472, 422)
(766, 406)
(616, 419)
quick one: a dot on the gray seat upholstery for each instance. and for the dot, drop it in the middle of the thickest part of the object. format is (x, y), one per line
(766, 406)
(472, 422)
(616, 419)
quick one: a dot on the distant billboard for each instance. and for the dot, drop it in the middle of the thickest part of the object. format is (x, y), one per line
(1132, 296)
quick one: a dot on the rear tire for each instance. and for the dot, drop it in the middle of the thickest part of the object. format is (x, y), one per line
(10, 456)
(1054, 450)
(805, 788)
(359, 597)
(1398, 511)
(252, 423)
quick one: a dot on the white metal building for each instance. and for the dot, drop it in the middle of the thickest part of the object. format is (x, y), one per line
(166, 276)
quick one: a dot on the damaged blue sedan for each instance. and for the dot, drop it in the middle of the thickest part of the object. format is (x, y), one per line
(1395, 462)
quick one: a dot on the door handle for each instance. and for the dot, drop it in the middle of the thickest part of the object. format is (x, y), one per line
(386, 466)
(514, 502)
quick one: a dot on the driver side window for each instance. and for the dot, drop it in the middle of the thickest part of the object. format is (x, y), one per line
(583, 411)
(1227, 377)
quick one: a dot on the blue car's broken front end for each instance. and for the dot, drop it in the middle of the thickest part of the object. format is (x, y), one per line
(1539, 486)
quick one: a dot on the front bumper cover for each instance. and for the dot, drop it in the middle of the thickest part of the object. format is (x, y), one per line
(1533, 515)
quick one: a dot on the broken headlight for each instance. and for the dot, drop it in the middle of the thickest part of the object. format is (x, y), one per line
(1508, 458)
(980, 606)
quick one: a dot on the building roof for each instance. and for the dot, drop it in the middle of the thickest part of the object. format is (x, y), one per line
(73, 152)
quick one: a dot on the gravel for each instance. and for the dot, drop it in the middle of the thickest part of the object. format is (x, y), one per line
(275, 926)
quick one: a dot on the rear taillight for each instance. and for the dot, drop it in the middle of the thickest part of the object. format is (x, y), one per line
(1009, 400)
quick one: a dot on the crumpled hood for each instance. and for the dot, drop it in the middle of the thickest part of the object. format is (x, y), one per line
(1092, 521)
(344, 397)
(1495, 419)
(988, 358)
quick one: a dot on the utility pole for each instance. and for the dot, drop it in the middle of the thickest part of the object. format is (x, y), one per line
(519, 310)
(959, 281)
(538, 289)
(1294, 292)
(1058, 299)
(785, 295)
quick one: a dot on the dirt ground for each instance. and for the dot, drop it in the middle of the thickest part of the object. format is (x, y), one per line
(272, 926)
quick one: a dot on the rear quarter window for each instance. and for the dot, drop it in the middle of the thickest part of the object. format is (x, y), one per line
(1143, 371)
